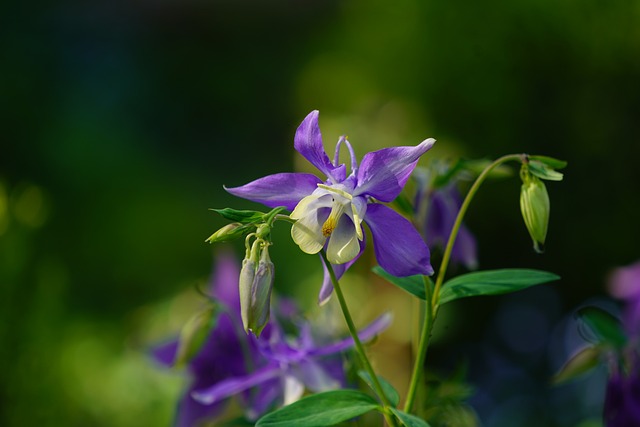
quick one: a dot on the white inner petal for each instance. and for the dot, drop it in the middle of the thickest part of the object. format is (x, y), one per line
(343, 243)
(358, 211)
(293, 389)
(307, 230)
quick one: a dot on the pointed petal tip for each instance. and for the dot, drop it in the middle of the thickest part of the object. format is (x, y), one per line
(202, 397)
(428, 143)
(322, 301)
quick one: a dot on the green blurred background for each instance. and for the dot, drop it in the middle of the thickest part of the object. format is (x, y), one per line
(121, 121)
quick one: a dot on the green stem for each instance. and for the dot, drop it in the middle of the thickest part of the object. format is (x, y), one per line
(422, 347)
(358, 344)
(433, 302)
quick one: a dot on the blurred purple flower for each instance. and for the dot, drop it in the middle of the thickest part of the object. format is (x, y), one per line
(624, 283)
(263, 373)
(330, 213)
(227, 352)
(439, 208)
(293, 365)
(622, 400)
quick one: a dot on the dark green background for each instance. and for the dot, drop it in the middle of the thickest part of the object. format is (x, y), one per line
(121, 121)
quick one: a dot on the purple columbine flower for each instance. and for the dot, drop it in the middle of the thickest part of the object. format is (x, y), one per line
(624, 283)
(227, 352)
(263, 373)
(436, 210)
(444, 207)
(622, 400)
(294, 364)
(330, 212)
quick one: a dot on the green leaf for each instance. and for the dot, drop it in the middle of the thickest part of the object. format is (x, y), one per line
(390, 392)
(409, 420)
(493, 282)
(194, 333)
(542, 171)
(606, 328)
(322, 409)
(412, 284)
(245, 217)
(581, 362)
(550, 161)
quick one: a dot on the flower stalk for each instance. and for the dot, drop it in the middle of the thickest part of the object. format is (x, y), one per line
(353, 331)
(432, 298)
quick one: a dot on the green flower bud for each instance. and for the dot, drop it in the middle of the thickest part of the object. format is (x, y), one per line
(193, 335)
(256, 283)
(535, 207)
(228, 232)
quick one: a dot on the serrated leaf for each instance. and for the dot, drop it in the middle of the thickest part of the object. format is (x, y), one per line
(244, 216)
(493, 282)
(542, 171)
(322, 409)
(194, 334)
(390, 392)
(581, 362)
(412, 284)
(409, 420)
(606, 328)
(550, 161)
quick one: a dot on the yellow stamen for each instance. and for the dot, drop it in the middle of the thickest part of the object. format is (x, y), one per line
(331, 223)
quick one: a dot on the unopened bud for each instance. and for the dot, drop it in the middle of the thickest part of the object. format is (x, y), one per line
(228, 232)
(193, 335)
(535, 207)
(256, 282)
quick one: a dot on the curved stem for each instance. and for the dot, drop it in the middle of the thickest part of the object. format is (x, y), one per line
(358, 344)
(433, 302)
(422, 347)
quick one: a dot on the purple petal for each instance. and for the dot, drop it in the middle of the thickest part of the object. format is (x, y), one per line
(308, 142)
(224, 281)
(315, 377)
(444, 207)
(339, 269)
(264, 398)
(235, 385)
(624, 282)
(399, 248)
(464, 249)
(165, 354)
(373, 329)
(192, 414)
(622, 400)
(384, 173)
(281, 189)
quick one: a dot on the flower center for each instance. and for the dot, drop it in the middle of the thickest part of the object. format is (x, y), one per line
(337, 209)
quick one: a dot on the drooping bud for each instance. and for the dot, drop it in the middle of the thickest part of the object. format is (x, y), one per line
(535, 207)
(256, 282)
(261, 294)
(227, 233)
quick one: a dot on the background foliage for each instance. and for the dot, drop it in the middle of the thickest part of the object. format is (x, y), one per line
(122, 120)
